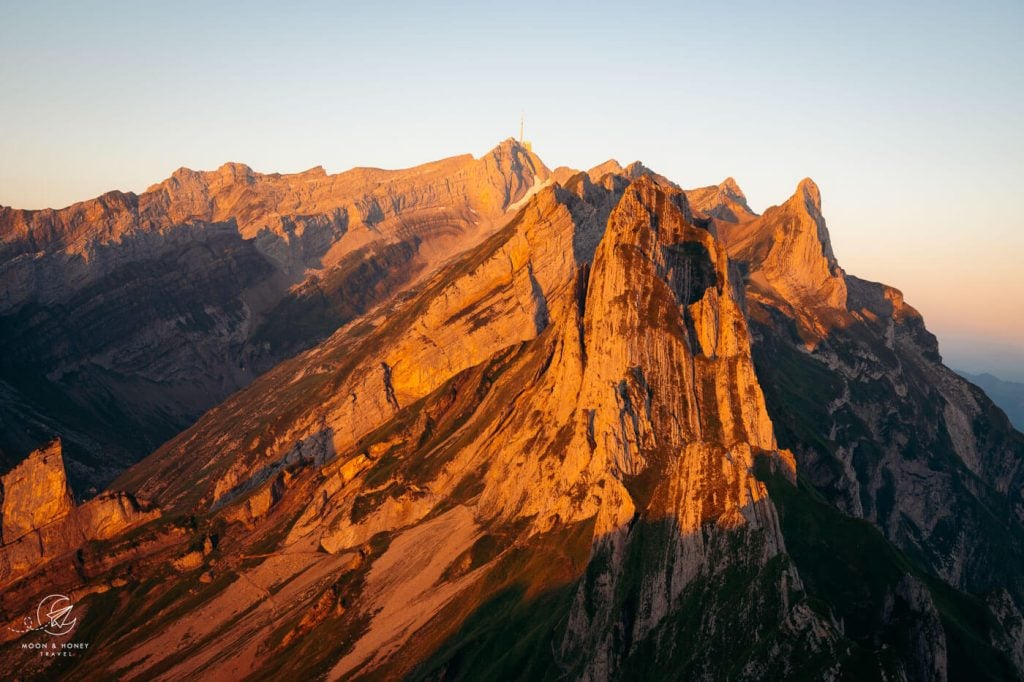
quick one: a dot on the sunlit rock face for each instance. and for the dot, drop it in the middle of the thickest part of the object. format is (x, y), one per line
(41, 521)
(788, 252)
(631, 431)
(35, 493)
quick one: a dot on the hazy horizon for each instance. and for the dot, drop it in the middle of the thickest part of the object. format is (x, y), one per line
(907, 117)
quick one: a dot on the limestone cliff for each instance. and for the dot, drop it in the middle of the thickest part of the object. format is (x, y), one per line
(40, 519)
(321, 403)
(35, 493)
(550, 413)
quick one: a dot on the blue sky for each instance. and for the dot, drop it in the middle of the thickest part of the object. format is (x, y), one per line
(908, 115)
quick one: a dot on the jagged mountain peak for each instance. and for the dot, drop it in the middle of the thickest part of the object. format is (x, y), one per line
(235, 170)
(789, 255)
(658, 281)
(612, 173)
(808, 190)
(636, 169)
(732, 188)
(666, 207)
(806, 204)
(724, 202)
(511, 148)
(600, 170)
(228, 173)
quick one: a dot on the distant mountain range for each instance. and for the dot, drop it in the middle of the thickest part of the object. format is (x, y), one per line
(1008, 395)
(481, 419)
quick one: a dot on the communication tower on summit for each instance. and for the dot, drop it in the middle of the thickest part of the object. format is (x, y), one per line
(525, 143)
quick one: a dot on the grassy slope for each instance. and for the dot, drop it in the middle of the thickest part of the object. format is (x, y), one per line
(848, 565)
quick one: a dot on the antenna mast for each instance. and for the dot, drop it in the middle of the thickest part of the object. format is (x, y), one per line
(522, 142)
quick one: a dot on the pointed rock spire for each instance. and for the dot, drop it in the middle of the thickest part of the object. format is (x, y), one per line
(660, 313)
(808, 189)
(789, 255)
(36, 492)
(730, 187)
(805, 205)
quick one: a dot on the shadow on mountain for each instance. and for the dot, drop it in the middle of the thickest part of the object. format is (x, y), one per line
(121, 364)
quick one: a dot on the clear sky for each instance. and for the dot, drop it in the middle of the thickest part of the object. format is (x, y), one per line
(908, 114)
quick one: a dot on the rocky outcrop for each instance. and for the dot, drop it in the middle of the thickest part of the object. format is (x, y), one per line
(928, 659)
(41, 521)
(725, 202)
(635, 410)
(673, 411)
(35, 493)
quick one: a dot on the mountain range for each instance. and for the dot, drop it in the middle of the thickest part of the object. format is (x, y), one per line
(1008, 395)
(481, 419)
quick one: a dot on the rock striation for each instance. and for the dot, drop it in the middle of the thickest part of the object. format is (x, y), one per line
(857, 389)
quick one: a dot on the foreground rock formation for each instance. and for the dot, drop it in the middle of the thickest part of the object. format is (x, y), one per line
(41, 521)
(636, 431)
(35, 493)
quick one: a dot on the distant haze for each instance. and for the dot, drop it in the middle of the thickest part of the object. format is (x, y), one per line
(979, 355)
(908, 117)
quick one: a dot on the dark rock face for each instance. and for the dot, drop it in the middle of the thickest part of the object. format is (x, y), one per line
(909, 445)
(128, 360)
